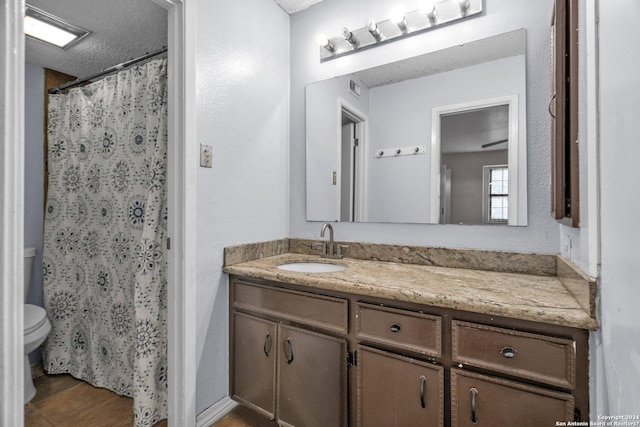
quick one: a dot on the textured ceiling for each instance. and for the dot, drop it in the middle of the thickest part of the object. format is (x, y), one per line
(293, 6)
(120, 30)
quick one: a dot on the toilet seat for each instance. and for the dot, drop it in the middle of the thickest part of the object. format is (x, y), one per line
(34, 318)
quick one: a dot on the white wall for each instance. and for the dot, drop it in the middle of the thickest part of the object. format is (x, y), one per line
(34, 172)
(323, 131)
(242, 77)
(618, 341)
(400, 115)
(541, 235)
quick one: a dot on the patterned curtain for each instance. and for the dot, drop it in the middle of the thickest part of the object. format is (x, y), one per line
(105, 287)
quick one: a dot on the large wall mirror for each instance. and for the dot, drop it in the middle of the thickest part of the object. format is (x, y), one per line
(437, 138)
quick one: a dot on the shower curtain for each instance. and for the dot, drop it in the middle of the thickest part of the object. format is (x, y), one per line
(105, 286)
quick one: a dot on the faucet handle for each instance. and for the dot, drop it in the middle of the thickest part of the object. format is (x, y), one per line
(339, 249)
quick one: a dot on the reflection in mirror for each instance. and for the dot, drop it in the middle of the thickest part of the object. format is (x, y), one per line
(472, 178)
(374, 138)
(471, 147)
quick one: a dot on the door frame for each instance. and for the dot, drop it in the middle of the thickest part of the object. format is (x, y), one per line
(181, 204)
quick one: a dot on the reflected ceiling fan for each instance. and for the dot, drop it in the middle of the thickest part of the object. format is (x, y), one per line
(491, 144)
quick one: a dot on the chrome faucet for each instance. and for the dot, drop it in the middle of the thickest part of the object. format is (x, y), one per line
(329, 250)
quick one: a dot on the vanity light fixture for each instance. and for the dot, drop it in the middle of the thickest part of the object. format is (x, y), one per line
(47, 28)
(433, 14)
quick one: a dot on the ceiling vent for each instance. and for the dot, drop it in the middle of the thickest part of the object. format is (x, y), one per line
(47, 28)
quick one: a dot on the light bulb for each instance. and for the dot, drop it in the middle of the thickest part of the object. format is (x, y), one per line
(464, 6)
(349, 37)
(397, 16)
(429, 9)
(373, 29)
(325, 42)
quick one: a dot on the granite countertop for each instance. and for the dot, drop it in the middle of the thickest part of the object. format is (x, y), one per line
(547, 299)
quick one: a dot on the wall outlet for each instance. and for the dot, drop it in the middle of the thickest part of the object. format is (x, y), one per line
(205, 156)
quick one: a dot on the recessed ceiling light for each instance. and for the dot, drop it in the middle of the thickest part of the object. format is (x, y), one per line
(47, 28)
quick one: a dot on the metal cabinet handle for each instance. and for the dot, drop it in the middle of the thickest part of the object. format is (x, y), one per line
(267, 344)
(395, 328)
(289, 359)
(508, 352)
(551, 102)
(423, 390)
(474, 397)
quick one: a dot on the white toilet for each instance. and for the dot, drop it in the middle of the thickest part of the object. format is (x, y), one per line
(36, 325)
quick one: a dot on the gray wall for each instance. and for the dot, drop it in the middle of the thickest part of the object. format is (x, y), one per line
(34, 178)
(467, 183)
(242, 76)
(541, 235)
(34, 172)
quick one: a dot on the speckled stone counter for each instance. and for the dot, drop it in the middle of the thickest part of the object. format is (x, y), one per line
(565, 301)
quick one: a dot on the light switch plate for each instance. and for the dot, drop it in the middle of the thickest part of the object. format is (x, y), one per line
(205, 156)
(565, 246)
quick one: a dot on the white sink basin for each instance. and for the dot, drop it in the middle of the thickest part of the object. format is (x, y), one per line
(312, 267)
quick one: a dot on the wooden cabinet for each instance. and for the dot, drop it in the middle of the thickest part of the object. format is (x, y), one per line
(482, 400)
(312, 379)
(254, 361)
(398, 391)
(322, 358)
(291, 374)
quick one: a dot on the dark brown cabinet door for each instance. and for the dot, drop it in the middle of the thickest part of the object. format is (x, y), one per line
(479, 400)
(398, 391)
(312, 379)
(254, 360)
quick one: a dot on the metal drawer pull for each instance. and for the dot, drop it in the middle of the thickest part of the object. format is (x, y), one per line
(508, 352)
(289, 359)
(395, 328)
(551, 113)
(267, 344)
(423, 390)
(474, 397)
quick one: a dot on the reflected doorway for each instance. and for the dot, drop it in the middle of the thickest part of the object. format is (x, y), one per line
(351, 164)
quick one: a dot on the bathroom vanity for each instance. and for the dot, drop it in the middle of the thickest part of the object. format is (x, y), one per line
(393, 343)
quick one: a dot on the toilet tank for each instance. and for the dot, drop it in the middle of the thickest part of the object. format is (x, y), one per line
(29, 256)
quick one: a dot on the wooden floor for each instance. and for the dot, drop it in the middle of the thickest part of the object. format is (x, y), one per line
(243, 417)
(62, 400)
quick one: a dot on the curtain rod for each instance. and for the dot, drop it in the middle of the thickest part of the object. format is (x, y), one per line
(107, 71)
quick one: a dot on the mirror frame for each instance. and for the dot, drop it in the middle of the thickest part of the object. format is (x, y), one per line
(516, 149)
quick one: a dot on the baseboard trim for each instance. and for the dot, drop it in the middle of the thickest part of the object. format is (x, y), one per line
(215, 412)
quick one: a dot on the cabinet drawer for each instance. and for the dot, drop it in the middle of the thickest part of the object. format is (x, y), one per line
(421, 333)
(536, 357)
(479, 400)
(306, 308)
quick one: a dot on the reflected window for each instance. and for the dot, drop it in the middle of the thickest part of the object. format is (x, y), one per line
(496, 193)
